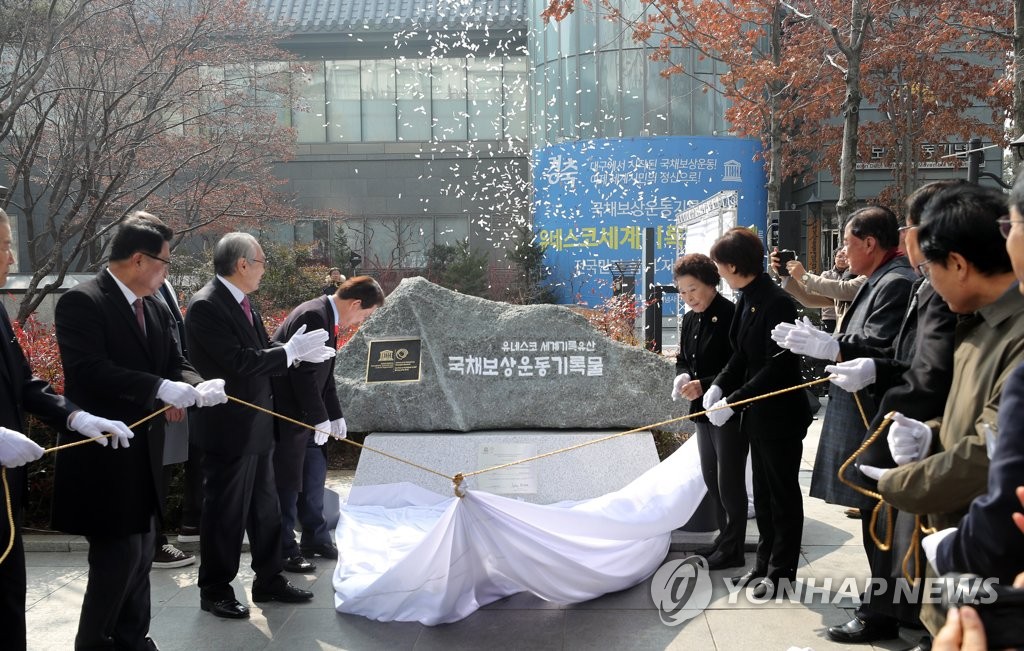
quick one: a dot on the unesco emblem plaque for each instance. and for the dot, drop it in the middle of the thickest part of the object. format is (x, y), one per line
(393, 360)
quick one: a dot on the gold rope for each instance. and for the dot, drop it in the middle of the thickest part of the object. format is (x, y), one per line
(10, 515)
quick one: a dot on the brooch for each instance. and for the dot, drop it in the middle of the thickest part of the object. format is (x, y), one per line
(714, 319)
(753, 309)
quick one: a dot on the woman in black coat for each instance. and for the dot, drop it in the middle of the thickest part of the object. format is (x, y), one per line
(704, 348)
(774, 426)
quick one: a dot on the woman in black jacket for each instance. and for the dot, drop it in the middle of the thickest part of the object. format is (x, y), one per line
(774, 426)
(704, 348)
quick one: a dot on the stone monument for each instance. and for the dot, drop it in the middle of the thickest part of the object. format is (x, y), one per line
(457, 383)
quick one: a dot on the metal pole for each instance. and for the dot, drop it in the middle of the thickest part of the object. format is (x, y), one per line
(652, 316)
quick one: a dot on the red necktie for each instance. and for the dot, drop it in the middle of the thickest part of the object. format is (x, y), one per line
(247, 309)
(139, 316)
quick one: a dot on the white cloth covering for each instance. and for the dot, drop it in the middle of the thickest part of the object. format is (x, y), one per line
(409, 554)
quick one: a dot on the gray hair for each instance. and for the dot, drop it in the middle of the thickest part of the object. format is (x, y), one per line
(4, 219)
(229, 249)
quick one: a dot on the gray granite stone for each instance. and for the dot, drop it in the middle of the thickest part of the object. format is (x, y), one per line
(490, 365)
(583, 473)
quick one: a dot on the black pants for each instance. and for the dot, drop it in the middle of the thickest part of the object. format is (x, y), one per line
(12, 570)
(723, 464)
(116, 608)
(192, 501)
(879, 606)
(778, 503)
(239, 496)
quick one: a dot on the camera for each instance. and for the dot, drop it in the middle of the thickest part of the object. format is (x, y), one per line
(785, 255)
(1000, 607)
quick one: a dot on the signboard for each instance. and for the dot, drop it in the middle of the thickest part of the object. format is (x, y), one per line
(518, 479)
(393, 360)
(593, 199)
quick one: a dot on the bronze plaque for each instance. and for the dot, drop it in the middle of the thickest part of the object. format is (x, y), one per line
(393, 360)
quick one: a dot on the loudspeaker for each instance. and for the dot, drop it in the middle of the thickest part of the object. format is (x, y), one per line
(784, 229)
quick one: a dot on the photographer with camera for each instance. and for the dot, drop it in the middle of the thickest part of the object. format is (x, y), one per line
(832, 290)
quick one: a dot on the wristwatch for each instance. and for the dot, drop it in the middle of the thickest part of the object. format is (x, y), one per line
(804, 278)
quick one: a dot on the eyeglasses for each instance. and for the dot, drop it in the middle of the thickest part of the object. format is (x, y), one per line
(156, 257)
(263, 262)
(925, 269)
(1006, 223)
(907, 227)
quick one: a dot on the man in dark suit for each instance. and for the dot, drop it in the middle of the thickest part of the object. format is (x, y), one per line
(22, 392)
(119, 359)
(308, 393)
(226, 338)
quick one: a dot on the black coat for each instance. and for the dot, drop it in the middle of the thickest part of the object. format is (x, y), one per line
(758, 365)
(112, 370)
(223, 344)
(306, 393)
(704, 345)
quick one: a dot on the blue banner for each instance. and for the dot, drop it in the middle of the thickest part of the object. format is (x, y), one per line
(593, 199)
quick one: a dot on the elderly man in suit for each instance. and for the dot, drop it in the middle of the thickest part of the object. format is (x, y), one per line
(22, 392)
(308, 393)
(120, 359)
(226, 338)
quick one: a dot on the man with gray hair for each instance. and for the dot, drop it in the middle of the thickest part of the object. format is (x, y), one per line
(226, 339)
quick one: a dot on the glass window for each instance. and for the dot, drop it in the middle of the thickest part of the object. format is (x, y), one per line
(308, 118)
(417, 237)
(704, 105)
(354, 229)
(656, 120)
(343, 110)
(570, 98)
(633, 75)
(608, 87)
(682, 105)
(413, 89)
(382, 243)
(515, 88)
(450, 230)
(448, 99)
(378, 106)
(588, 96)
(272, 92)
(484, 76)
(552, 101)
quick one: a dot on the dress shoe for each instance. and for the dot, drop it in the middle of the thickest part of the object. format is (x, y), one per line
(858, 631)
(721, 561)
(188, 534)
(706, 552)
(925, 644)
(751, 575)
(280, 590)
(768, 587)
(227, 608)
(298, 564)
(330, 550)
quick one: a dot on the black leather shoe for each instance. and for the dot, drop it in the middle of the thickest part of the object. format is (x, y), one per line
(227, 608)
(924, 645)
(707, 551)
(722, 561)
(751, 575)
(298, 564)
(857, 631)
(280, 591)
(323, 551)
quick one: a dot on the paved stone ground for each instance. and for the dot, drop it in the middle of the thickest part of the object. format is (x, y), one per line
(623, 620)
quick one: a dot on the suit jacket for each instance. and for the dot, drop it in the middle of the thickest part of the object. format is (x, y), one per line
(704, 345)
(112, 370)
(223, 344)
(22, 392)
(758, 365)
(306, 393)
(987, 542)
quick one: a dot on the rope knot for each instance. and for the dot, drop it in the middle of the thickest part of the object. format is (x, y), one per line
(460, 492)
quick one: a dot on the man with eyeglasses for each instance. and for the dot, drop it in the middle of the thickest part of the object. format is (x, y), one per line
(226, 338)
(943, 463)
(120, 360)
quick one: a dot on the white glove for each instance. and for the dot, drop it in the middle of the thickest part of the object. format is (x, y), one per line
(678, 383)
(930, 544)
(94, 427)
(721, 414)
(711, 396)
(308, 346)
(339, 429)
(211, 392)
(805, 339)
(873, 472)
(909, 439)
(781, 331)
(853, 375)
(323, 430)
(177, 394)
(16, 449)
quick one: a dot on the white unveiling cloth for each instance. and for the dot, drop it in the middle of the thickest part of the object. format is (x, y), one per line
(409, 554)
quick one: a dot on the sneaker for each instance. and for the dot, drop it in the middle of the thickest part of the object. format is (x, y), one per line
(169, 556)
(188, 534)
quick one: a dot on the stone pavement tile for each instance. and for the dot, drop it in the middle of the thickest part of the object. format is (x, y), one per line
(523, 601)
(44, 581)
(53, 620)
(498, 629)
(191, 629)
(626, 629)
(57, 559)
(330, 631)
(165, 585)
(828, 531)
(776, 629)
(636, 598)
